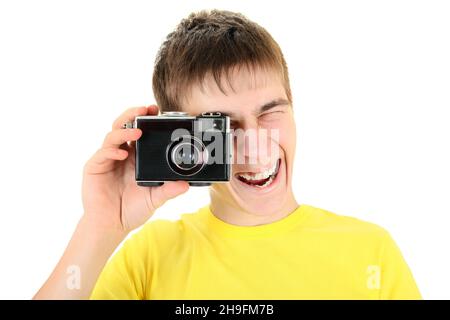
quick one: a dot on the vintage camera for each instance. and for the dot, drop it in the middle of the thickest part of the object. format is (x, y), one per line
(176, 146)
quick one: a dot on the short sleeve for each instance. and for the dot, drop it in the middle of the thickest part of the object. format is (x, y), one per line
(126, 275)
(397, 281)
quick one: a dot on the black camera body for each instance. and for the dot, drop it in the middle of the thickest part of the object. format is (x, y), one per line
(176, 146)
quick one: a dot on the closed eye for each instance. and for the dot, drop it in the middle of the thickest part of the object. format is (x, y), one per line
(272, 115)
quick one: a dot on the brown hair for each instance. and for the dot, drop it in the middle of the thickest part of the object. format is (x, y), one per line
(212, 42)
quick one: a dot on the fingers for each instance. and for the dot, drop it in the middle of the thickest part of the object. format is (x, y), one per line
(117, 137)
(105, 154)
(103, 159)
(132, 113)
(169, 190)
(115, 142)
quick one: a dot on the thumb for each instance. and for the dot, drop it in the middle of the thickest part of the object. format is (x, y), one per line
(169, 190)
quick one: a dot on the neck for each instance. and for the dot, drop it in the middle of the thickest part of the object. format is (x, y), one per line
(231, 212)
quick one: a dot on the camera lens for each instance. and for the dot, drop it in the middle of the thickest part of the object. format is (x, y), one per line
(187, 156)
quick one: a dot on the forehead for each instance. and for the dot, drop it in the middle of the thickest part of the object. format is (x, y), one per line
(241, 92)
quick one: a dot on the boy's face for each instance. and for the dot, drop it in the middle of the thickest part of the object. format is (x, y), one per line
(258, 107)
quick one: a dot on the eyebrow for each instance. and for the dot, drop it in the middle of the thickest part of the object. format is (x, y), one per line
(272, 104)
(265, 107)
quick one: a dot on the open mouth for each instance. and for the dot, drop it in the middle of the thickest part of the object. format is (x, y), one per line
(260, 179)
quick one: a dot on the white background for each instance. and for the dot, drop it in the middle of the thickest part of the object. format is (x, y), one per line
(371, 85)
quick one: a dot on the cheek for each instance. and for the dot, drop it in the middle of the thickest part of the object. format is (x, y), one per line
(286, 136)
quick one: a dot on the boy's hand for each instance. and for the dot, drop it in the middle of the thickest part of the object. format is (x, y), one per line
(111, 198)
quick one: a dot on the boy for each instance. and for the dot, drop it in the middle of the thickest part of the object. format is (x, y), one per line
(254, 241)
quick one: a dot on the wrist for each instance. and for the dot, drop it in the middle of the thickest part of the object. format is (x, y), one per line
(100, 232)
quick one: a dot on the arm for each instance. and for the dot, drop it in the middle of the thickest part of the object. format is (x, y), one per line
(76, 273)
(113, 206)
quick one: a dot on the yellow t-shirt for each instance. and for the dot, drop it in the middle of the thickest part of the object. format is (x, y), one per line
(310, 254)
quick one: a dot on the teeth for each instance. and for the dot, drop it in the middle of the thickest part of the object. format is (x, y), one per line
(266, 183)
(260, 175)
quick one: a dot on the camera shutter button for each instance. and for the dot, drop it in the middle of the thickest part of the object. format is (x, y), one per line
(174, 114)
